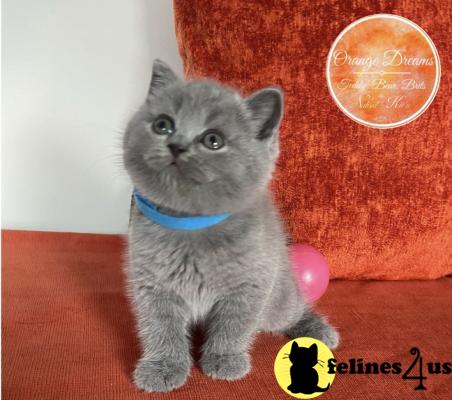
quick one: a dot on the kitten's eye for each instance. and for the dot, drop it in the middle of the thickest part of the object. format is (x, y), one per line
(213, 139)
(163, 125)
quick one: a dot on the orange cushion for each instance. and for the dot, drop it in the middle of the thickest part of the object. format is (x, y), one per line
(375, 202)
(68, 333)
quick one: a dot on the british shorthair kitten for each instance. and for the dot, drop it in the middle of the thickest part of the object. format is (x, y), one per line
(206, 244)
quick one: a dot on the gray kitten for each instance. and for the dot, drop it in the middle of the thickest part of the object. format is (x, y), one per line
(198, 148)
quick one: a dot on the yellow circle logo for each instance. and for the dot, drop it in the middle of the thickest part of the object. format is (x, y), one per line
(301, 368)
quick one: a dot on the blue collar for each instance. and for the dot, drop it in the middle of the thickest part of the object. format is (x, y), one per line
(178, 223)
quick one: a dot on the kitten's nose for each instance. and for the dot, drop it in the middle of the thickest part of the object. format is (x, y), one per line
(176, 149)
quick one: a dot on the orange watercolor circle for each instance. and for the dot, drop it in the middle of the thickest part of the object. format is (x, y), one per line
(383, 71)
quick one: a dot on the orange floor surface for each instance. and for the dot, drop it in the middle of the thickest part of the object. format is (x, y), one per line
(68, 333)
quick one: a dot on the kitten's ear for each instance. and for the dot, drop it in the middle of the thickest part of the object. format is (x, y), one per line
(294, 346)
(266, 106)
(162, 75)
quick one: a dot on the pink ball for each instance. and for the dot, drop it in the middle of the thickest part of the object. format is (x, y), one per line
(311, 271)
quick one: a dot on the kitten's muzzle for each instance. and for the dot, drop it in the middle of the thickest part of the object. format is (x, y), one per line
(176, 149)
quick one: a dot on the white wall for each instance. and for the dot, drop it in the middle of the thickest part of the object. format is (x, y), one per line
(73, 71)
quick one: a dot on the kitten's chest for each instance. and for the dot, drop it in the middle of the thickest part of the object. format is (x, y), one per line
(199, 266)
(173, 259)
(187, 268)
(181, 263)
(189, 265)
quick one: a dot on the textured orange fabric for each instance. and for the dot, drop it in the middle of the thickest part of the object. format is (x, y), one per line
(377, 203)
(67, 332)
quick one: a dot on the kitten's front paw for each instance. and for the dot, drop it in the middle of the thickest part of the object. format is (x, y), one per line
(160, 376)
(226, 366)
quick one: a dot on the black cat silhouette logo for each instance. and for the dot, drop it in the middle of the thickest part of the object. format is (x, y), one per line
(304, 376)
(301, 368)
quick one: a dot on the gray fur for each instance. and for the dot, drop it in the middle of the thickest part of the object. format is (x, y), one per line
(234, 277)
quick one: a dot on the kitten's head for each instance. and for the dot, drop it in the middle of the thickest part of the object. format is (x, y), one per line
(199, 147)
(303, 355)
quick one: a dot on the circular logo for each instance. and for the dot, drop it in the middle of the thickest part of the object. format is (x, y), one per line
(383, 71)
(301, 368)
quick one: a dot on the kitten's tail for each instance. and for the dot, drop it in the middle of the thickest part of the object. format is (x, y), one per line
(313, 325)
